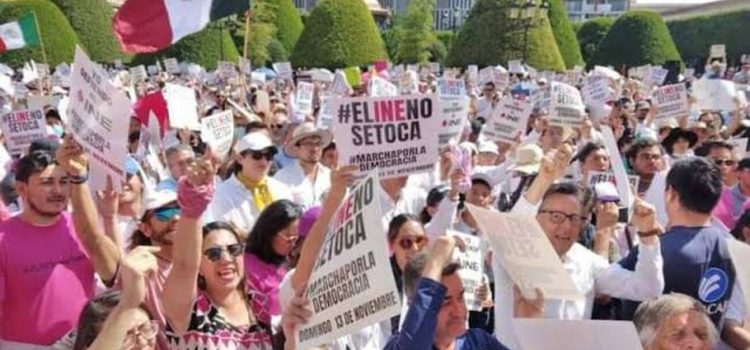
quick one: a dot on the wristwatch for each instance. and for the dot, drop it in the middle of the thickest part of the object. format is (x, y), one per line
(649, 233)
(78, 179)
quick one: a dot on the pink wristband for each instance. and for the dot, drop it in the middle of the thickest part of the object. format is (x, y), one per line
(193, 200)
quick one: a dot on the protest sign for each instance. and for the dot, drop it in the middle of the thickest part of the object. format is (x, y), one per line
(353, 76)
(218, 132)
(655, 77)
(621, 176)
(595, 177)
(451, 88)
(740, 253)
(454, 112)
(226, 69)
(304, 99)
(575, 335)
(152, 70)
(524, 251)
(380, 87)
(566, 106)
(246, 68)
(508, 121)
(408, 83)
(182, 106)
(339, 86)
(99, 115)
(739, 147)
(596, 91)
(5, 162)
(397, 135)
(352, 284)
(671, 102)
(715, 94)
(516, 67)
(6, 84)
(37, 101)
(171, 65)
(258, 78)
(322, 75)
(472, 267)
(22, 127)
(473, 73)
(325, 117)
(283, 70)
(138, 74)
(718, 51)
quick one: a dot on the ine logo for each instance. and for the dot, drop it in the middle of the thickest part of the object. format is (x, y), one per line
(713, 286)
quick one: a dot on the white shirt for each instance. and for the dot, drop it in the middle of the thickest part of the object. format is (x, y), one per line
(411, 200)
(234, 203)
(305, 192)
(590, 273)
(484, 108)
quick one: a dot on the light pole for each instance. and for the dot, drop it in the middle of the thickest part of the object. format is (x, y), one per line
(525, 16)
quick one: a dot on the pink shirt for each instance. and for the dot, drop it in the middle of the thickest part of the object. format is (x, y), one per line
(263, 281)
(46, 278)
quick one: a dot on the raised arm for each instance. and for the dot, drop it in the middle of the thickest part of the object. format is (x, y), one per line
(194, 193)
(341, 179)
(553, 167)
(103, 252)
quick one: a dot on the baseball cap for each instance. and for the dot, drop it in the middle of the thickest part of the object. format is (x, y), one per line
(131, 166)
(488, 147)
(254, 141)
(157, 199)
(744, 164)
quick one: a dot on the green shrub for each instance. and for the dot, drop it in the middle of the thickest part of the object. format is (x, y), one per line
(591, 33)
(288, 23)
(204, 48)
(418, 34)
(637, 38)
(695, 36)
(446, 37)
(437, 51)
(277, 52)
(92, 21)
(56, 34)
(330, 41)
(565, 37)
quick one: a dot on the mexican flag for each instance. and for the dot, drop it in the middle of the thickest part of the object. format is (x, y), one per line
(151, 25)
(19, 34)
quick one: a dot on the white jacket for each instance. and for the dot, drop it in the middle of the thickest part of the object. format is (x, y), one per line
(304, 191)
(234, 203)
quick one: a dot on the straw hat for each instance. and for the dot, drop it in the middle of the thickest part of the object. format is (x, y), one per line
(305, 130)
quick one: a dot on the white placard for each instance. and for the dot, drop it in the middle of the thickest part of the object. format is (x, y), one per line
(408, 83)
(596, 177)
(545, 334)
(524, 251)
(303, 101)
(566, 105)
(98, 115)
(22, 127)
(740, 254)
(397, 135)
(340, 86)
(138, 73)
(454, 113)
(258, 78)
(380, 87)
(171, 65)
(718, 51)
(516, 67)
(671, 102)
(37, 101)
(596, 91)
(322, 75)
(324, 119)
(715, 94)
(218, 132)
(5, 161)
(451, 88)
(283, 70)
(508, 121)
(621, 176)
(472, 267)
(352, 284)
(183, 107)
(739, 147)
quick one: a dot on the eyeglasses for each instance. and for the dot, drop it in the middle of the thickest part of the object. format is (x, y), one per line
(311, 144)
(409, 242)
(727, 162)
(258, 155)
(214, 254)
(166, 214)
(649, 156)
(145, 333)
(558, 217)
(277, 126)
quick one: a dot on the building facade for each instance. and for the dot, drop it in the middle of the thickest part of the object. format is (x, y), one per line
(581, 10)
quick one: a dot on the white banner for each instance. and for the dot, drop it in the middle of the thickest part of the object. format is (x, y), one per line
(671, 102)
(22, 127)
(397, 135)
(352, 284)
(183, 107)
(218, 132)
(715, 94)
(472, 267)
(99, 115)
(508, 121)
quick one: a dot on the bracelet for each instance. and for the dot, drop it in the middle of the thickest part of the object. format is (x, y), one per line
(78, 179)
(650, 233)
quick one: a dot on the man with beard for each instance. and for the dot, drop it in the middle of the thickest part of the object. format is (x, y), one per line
(307, 177)
(48, 256)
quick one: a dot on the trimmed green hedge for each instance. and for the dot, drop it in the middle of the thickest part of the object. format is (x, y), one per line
(58, 37)
(591, 33)
(418, 33)
(203, 48)
(488, 38)
(446, 37)
(329, 41)
(92, 21)
(637, 38)
(695, 36)
(288, 23)
(565, 37)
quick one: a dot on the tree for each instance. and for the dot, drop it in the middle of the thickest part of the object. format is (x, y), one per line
(695, 36)
(288, 23)
(92, 21)
(637, 38)
(591, 33)
(261, 34)
(339, 33)
(56, 34)
(565, 37)
(417, 29)
(489, 38)
(210, 45)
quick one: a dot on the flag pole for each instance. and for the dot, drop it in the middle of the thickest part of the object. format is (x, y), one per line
(244, 56)
(41, 42)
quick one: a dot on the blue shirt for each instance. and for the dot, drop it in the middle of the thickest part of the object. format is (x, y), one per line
(418, 330)
(696, 263)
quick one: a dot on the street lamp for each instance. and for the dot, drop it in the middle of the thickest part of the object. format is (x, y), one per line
(525, 16)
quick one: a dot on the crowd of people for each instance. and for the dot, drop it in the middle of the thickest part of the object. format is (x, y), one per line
(200, 252)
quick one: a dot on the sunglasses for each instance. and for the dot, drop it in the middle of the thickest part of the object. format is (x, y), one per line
(408, 243)
(277, 126)
(727, 162)
(214, 254)
(144, 333)
(258, 155)
(166, 214)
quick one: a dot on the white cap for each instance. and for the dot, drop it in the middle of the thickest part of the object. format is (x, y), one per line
(157, 199)
(254, 141)
(488, 147)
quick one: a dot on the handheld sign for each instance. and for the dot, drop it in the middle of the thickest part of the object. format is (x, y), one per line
(22, 127)
(454, 113)
(566, 106)
(621, 176)
(218, 132)
(472, 267)
(138, 73)
(340, 86)
(397, 135)
(671, 102)
(304, 98)
(380, 87)
(526, 254)
(351, 285)
(576, 335)
(509, 121)
(284, 70)
(98, 117)
(325, 117)
(183, 107)
(715, 94)
(718, 51)
(171, 65)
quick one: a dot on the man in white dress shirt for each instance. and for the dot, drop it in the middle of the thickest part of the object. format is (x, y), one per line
(241, 198)
(306, 176)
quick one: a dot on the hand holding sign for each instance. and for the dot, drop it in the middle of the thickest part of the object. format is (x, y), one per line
(295, 314)
(528, 308)
(71, 158)
(341, 179)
